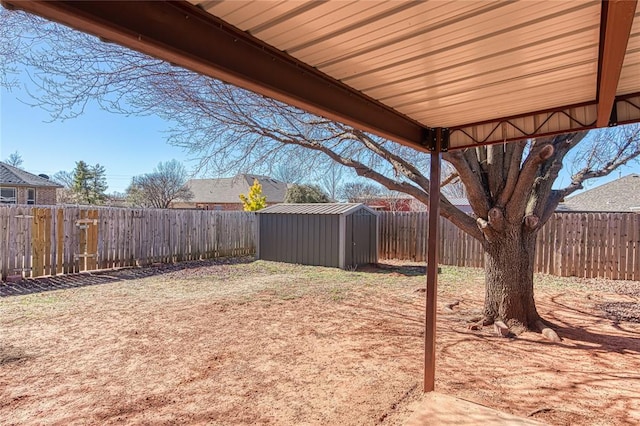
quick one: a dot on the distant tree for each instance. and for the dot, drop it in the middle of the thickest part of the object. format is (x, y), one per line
(451, 185)
(159, 188)
(254, 201)
(98, 184)
(358, 192)
(289, 172)
(331, 179)
(394, 200)
(89, 183)
(14, 159)
(64, 195)
(306, 194)
(81, 178)
(63, 178)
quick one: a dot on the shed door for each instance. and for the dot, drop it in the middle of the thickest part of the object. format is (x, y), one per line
(361, 233)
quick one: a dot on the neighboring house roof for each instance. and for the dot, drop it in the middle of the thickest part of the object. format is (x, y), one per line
(458, 201)
(13, 176)
(620, 195)
(315, 208)
(228, 190)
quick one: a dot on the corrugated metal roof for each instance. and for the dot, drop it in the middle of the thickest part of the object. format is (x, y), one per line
(440, 63)
(13, 176)
(490, 71)
(317, 208)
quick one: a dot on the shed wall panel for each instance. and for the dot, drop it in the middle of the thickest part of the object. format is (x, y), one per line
(305, 239)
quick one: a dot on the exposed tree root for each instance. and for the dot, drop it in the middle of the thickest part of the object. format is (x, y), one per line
(547, 332)
(501, 329)
(478, 322)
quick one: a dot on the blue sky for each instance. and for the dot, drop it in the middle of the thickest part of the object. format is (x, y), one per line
(126, 146)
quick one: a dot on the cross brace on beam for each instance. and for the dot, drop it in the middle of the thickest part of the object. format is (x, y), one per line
(571, 118)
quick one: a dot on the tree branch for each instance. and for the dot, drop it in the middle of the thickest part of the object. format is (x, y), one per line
(471, 180)
(514, 154)
(516, 205)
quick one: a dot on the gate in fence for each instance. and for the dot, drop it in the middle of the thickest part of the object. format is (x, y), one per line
(39, 241)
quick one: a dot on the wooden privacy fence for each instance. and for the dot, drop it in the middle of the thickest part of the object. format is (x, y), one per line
(587, 245)
(37, 241)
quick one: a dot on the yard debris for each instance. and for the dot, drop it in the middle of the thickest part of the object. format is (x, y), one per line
(449, 306)
(539, 411)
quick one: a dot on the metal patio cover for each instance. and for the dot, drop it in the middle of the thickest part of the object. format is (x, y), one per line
(483, 71)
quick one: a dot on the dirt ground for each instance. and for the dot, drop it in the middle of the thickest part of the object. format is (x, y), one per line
(266, 343)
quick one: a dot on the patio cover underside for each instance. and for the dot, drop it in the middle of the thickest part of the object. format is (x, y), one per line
(487, 72)
(432, 75)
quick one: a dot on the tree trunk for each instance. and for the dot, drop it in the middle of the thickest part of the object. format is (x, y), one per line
(509, 280)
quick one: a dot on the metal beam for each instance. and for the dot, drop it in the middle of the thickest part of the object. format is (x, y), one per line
(570, 118)
(432, 265)
(615, 28)
(185, 35)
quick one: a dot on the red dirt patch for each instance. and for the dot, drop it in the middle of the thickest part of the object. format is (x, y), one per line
(264, 343)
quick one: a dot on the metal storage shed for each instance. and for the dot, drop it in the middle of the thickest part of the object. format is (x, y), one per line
(336, 235)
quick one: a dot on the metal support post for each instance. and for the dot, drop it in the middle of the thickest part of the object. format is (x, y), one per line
(432, 265)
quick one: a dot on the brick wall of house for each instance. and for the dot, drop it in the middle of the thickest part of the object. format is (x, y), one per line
(46, 196)
(21, 195)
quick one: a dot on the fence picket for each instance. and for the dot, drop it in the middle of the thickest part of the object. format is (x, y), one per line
(570, 244)
(48, 240)
(45, 240)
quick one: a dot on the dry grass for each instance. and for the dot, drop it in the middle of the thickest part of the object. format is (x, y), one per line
(269, 343)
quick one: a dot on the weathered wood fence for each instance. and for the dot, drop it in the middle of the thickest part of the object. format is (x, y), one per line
(37, 241)
(588, 245)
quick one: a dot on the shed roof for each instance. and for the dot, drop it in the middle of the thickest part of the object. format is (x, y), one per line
(486, 71)
(620, 195)
(316, 208)
(14, 176)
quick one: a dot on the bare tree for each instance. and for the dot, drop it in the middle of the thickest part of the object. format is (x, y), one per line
(159, 188)
(289, 172)
(451, 184)
(331, 179)
(65, 194)
(14, 159)
(509, 186)
(359, 192)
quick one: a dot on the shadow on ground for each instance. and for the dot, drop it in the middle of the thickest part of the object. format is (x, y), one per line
(385, 268)
(83, 279)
